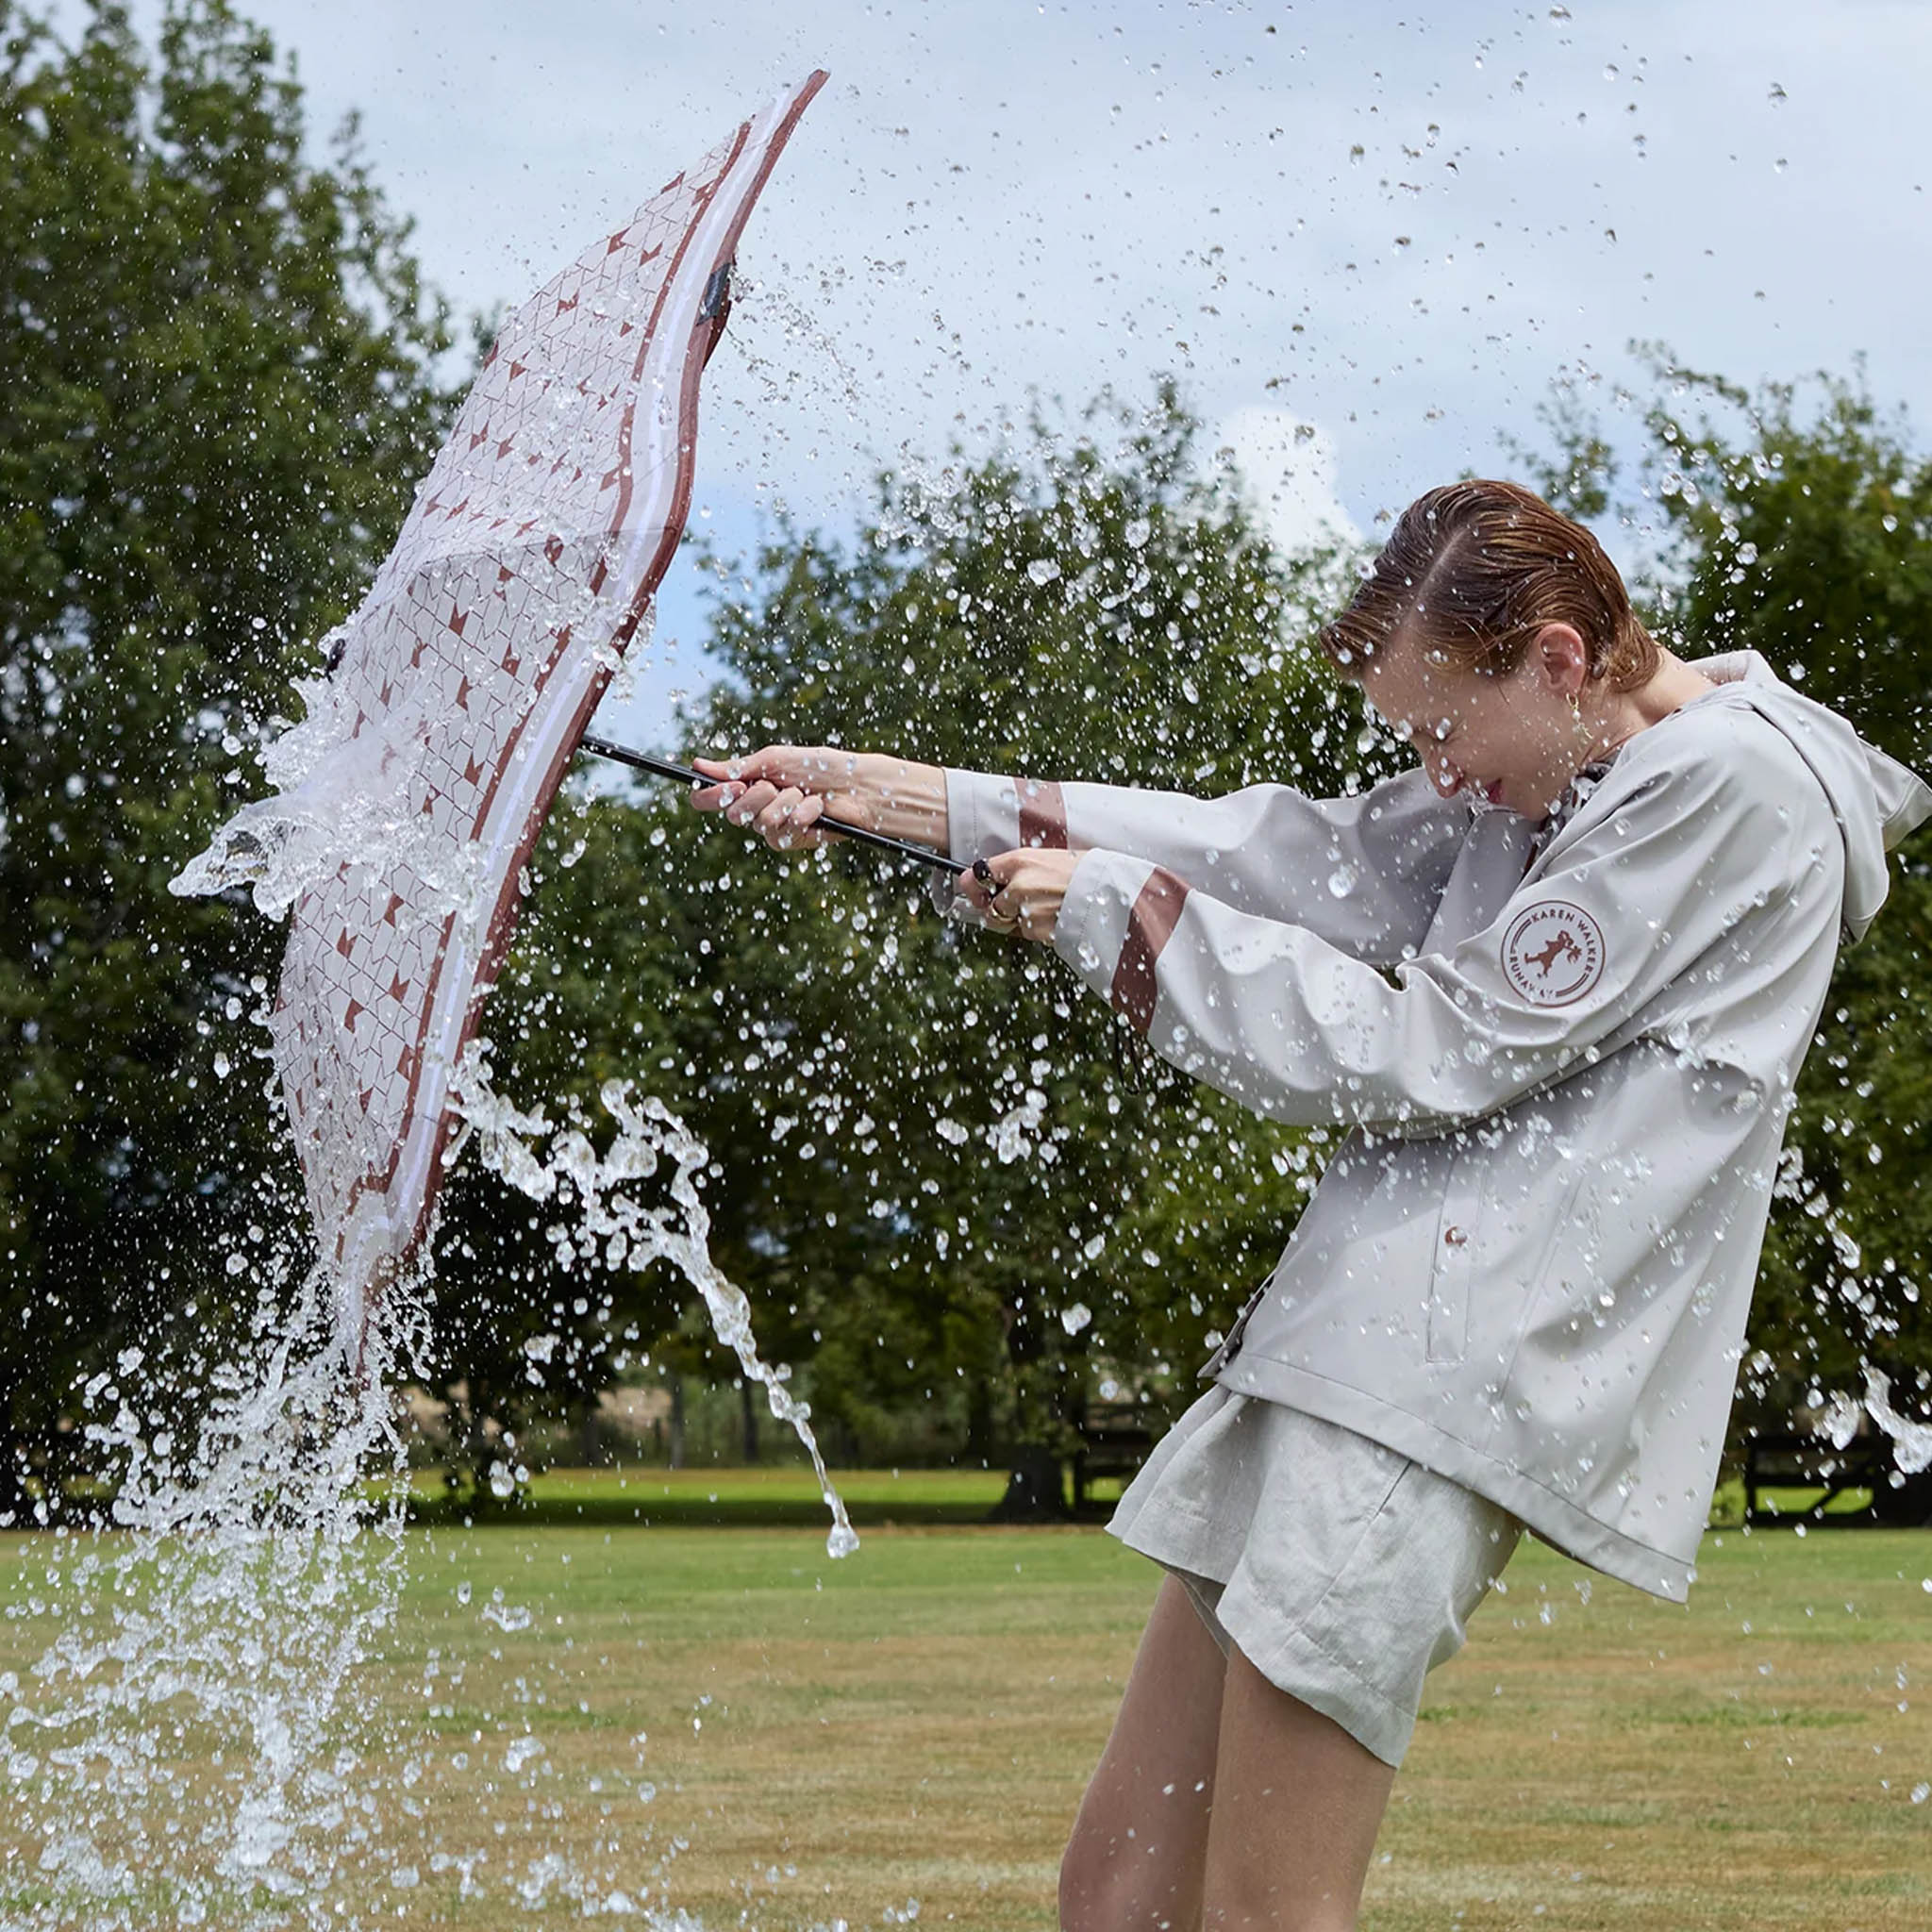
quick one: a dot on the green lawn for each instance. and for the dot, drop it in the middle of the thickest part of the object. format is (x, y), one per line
(786, 1496)
(833, 1740)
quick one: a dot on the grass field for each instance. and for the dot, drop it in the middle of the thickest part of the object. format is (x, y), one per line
(831, 1741)
(786, 1496)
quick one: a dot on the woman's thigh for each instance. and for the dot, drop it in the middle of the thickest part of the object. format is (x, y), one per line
(1138, 1844)
(1297, 1805)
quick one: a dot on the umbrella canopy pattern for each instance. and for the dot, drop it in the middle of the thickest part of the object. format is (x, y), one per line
(457, 692)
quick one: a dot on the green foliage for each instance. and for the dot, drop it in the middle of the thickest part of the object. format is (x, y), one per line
(218, 391)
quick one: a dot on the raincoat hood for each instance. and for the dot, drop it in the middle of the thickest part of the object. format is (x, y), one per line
(1876, 799)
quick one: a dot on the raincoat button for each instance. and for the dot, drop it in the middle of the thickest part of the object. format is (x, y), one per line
(1454, 1236)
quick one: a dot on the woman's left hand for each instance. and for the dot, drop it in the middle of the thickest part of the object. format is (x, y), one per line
(1019, 891)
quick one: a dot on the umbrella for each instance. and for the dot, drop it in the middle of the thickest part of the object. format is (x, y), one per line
(411, 794)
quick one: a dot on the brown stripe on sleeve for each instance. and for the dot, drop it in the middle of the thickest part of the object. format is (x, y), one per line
(1042, 814)
(1150, 925)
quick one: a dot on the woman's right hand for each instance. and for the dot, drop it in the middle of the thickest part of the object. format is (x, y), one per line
(789, 793)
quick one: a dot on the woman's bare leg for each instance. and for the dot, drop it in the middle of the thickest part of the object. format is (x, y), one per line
(1139, 1846)
(1298, 1803)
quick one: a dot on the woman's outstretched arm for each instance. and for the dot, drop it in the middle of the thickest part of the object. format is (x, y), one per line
(1365, 872)
(784, 792)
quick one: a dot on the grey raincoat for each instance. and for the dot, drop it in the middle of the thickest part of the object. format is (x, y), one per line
(1565, 1052)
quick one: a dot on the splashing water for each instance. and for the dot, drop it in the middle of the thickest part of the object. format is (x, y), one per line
(1911, 1441)
(188, 1747)
(255, 1571)
(617, 1229)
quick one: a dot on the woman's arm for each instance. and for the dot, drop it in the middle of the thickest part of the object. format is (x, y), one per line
(1293, 1027)
(785, 792)
(1364, 873)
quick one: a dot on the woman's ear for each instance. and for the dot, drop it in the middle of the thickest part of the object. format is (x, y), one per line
(1563, 659)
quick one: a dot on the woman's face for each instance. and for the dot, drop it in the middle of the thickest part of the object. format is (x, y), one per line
(1514, 740)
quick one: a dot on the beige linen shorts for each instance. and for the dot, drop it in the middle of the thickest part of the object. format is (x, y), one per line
(1344, 1571)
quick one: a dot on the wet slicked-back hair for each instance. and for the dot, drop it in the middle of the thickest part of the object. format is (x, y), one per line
(1476, 569)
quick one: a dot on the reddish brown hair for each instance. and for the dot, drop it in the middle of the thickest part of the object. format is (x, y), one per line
(1477, 569)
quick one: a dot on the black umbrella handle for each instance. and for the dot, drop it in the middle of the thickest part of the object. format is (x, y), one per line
(901, 848)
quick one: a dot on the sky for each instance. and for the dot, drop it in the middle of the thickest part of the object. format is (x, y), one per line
(1368, 238)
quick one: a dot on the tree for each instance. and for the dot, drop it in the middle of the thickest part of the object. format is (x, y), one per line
(220, 385)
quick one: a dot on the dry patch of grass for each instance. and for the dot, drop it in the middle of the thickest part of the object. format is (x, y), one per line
(832, 1741)
(1747, 1761)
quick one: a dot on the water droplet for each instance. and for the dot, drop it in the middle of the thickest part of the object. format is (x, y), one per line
(1042, 570)
(1341, 881)
(1075, 1318)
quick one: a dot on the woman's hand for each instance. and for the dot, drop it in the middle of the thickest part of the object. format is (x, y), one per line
(789, 793)
(1020, 891)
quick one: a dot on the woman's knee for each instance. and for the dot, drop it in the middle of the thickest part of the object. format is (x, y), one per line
(1121, 1877)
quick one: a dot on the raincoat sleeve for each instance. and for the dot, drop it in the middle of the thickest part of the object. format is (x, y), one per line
(1272, 1014)
(1365, 872)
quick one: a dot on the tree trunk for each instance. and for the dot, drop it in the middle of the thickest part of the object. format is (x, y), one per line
(979, 1424)
(1034, 1492)
(1908, 1506)
(748, 1408)
(676, 1422)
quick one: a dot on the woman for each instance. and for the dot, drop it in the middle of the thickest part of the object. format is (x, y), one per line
(1558, 982)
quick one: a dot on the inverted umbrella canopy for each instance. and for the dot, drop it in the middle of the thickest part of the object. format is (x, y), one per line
(413, 791)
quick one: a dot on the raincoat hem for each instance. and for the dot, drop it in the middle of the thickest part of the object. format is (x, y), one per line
(1554, 1518)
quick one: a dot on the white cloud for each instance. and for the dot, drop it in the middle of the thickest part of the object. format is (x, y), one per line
(1289, 470)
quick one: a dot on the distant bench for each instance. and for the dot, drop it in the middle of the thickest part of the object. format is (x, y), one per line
(1795, 1460)
(1115, 1438)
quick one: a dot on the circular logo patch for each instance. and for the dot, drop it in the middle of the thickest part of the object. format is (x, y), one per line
(1553, 953)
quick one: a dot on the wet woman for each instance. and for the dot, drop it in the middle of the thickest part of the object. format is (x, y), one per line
(1557, 983)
